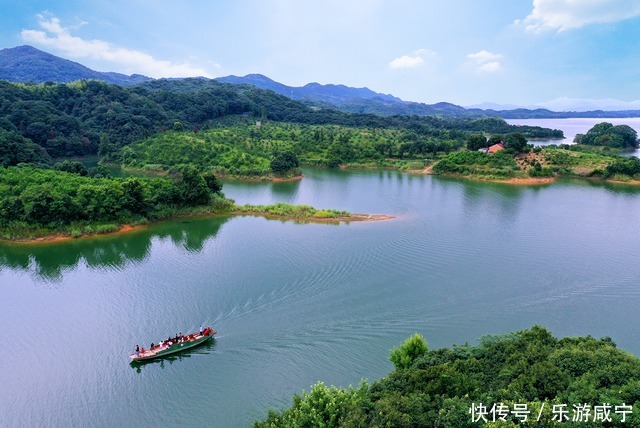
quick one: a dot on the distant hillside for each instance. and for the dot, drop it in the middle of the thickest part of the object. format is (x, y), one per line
(333, 94)
(28, 64)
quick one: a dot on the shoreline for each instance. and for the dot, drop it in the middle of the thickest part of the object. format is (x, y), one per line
(57, 237)
(333, 220)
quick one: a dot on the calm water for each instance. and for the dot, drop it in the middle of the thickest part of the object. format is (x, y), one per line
(297, 303)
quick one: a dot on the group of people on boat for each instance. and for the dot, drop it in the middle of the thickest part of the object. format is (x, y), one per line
(179, 338)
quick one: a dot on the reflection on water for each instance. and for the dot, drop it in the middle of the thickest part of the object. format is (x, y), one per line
(49, 261)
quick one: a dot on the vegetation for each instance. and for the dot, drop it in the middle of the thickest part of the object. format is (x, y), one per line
(549, 161)
(72, 201)
(500, 165)
(437, 388)
(284, 162)
(15, 149)
(289, 211)
(606, 134)
(237, 147)
(85, 117)
(623, 169)
(35, 201)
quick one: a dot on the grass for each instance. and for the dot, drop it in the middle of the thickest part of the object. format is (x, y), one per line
(291, 211)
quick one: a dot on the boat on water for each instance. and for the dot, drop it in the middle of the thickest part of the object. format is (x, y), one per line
(173, 346)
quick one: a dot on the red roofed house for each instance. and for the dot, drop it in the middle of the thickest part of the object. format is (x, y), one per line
(496, 147)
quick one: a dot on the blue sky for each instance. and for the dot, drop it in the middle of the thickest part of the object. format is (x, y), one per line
(460, 51)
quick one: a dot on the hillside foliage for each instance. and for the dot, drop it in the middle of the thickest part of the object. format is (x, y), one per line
(34, 199)
(89, 116)
(439, 388)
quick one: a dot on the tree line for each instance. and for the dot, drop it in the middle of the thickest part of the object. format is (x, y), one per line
(448, 387)
(32, 198)
(76, 118)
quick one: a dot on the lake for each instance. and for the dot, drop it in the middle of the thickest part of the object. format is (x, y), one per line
(298, 303)
(294, 304)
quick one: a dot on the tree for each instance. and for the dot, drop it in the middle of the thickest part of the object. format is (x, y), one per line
(515, 141)
(605, 134)
(134, 198)
(476, 141)
(15, 149)
(284, 162)
(107, 150)
(213, 183)
(412, 348)
(495, 139)
(73, 167)
(192, 187)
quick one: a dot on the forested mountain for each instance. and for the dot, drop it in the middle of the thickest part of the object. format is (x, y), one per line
(81, 117)
(28, 64)
(332, 94)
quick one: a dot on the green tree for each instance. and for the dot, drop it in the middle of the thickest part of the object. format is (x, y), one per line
(134, 198)
(516, 141)
(606, 134)
(476, 141)
(413, 348)
(73, 167)
(213, 183)
(283, 162)
(192, 187)
(15, 149)
(495, 139)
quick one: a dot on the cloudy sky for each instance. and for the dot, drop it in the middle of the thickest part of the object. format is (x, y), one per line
(460, 51)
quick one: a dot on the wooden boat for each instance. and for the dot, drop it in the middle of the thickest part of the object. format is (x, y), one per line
(162, 350)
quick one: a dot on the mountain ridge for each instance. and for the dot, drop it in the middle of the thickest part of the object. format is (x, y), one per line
(28, 64)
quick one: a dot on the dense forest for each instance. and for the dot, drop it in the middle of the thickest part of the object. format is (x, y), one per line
(526, 378)
(608, 135)
(35, 200)
(77, 118)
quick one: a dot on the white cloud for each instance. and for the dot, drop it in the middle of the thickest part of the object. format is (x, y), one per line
(562, 15)
(127, 60)
(485, 61)
(410, 61)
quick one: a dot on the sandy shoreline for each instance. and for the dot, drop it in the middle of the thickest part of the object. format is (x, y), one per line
(59, 237)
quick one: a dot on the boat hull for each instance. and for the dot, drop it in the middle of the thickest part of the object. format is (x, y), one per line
(173, 349)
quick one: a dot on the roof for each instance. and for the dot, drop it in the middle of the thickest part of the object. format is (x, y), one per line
(496, 147)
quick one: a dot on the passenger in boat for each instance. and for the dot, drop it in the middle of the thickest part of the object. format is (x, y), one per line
(151, 347)
(201, 330)
(137, 350)
(142, 351)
